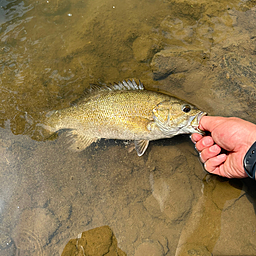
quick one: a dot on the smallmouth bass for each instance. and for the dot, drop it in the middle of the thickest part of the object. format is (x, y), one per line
(125, 111)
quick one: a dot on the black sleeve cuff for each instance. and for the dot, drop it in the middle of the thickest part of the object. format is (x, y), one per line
(250, 161)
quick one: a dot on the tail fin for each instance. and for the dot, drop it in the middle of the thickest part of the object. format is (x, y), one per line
(38, 128)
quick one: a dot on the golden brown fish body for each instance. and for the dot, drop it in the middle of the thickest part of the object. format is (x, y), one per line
(125, 111)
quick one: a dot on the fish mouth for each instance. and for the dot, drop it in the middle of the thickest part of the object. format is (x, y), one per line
(196, 121)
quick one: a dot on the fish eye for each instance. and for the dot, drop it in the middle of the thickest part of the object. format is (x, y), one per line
(186, 108)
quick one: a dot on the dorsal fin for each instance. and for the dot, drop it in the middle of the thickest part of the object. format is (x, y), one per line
(125, 85)
(120, 86)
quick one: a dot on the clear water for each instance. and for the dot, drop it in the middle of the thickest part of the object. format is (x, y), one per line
(50, 52)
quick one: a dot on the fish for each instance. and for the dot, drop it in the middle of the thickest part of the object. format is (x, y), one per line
(124, 111)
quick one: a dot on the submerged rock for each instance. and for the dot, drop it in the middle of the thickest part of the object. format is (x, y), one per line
(194, 250)
(149, 248)
(234, 235)
(98, 242)
(172, 61)
(144, 47)
(168, 200)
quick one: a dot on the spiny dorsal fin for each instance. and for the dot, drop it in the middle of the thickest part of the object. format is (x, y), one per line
(120, 86)
(125, 85)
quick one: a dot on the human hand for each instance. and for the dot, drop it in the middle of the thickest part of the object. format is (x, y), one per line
(232, 134)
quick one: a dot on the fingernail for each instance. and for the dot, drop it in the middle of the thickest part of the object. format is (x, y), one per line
(221, 156)
(206, 141)
(213, 148)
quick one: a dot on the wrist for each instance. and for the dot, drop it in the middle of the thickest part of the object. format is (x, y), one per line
(249, 161)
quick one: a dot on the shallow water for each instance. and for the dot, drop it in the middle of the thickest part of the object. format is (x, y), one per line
(50, 52)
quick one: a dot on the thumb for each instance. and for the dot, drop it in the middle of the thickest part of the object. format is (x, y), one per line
(209, 123)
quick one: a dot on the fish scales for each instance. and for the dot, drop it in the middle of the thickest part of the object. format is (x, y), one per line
(127, 112)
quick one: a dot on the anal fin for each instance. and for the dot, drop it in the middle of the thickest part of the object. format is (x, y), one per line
(79, 141)
(141, 146)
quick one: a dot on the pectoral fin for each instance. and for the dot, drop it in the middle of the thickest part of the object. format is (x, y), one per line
(141, 146)
(79, 141)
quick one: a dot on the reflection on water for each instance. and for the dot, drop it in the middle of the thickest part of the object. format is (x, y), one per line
(164, 201)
